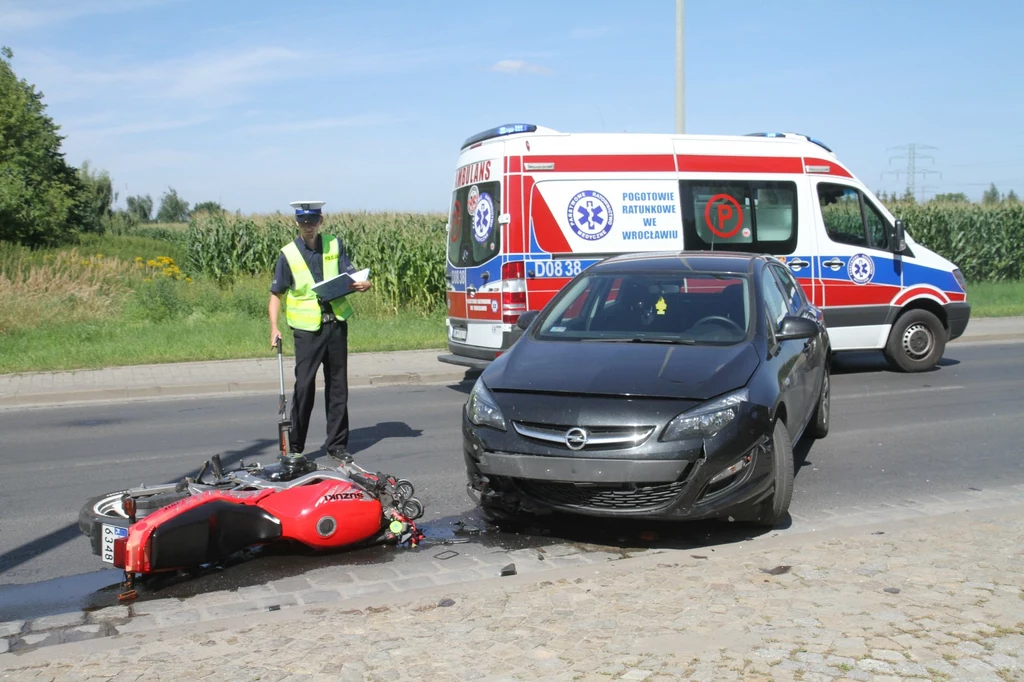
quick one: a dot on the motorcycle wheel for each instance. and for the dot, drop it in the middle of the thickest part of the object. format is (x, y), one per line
(107, 509)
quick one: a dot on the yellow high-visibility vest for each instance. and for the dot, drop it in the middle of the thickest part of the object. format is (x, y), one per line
(302, 308)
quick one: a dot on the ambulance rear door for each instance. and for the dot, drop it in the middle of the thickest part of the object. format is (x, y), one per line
(474, 249)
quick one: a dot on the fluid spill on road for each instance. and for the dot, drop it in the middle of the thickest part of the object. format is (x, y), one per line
(446, 536)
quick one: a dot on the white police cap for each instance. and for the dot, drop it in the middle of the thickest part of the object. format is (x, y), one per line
(307, 207)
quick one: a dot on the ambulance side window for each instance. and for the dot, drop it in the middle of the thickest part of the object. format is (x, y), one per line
(740, 215)
(840, 209)
(878, 230)
(850, 218)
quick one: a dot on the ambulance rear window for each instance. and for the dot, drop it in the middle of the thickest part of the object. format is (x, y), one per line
(475, 235)
(739, 215)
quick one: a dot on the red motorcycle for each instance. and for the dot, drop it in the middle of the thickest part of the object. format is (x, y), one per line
(208, 518)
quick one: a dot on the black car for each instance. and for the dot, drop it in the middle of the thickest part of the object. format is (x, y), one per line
(654, 386)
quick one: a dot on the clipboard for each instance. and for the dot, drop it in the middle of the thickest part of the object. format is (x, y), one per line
(339, 286)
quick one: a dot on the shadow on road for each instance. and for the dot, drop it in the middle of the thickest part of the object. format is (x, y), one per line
(861, 362)
(366, 437)
(30, 550)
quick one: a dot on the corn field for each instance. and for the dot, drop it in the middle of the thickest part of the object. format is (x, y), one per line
(404, 252)
(986, 242)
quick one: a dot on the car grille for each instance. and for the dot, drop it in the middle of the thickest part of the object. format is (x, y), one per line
(599, 437)
(602, 496)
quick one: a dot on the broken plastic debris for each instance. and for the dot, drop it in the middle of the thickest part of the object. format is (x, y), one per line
(778, 570)
(508, 570)
(447, 554)
(892, 590)
(698, 556)
(446, 602)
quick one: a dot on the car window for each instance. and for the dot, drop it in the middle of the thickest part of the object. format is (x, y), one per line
(773, 298)
(474, 236)
(682, 307)
(794, 295)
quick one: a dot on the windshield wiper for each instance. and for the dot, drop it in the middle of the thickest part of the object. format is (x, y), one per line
(641, 339)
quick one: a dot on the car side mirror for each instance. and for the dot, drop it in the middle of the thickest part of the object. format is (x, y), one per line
(899, 237)
(526, 318)
(794, 327)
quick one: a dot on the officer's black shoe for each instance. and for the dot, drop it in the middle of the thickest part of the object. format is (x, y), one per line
(341, 455)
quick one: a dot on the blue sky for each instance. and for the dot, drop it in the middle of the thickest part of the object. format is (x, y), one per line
(364, 104)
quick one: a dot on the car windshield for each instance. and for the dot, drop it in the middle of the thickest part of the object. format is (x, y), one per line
(662, 307)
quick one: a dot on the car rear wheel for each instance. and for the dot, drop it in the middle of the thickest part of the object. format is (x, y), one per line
(820, 420)
(774, 508)
(916, 342)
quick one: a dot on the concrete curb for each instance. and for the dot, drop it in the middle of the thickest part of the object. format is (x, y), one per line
(219, 388)
(1001, 330)
(784, 540)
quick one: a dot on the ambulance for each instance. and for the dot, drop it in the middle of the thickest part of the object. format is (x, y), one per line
(532, 207)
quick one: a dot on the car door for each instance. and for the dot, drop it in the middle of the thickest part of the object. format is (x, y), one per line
(813, 349)
(786, 356)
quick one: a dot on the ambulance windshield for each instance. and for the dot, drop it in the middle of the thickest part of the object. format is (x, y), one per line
(474, 235)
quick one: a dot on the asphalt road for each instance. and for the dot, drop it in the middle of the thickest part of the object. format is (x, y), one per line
(893, 436)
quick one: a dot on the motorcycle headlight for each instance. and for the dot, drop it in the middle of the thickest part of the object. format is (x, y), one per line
(482, 410)
(705, 421)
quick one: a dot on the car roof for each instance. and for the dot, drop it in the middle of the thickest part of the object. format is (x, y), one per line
(694, 261)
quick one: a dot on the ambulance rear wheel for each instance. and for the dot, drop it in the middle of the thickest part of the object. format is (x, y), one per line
(916, 342)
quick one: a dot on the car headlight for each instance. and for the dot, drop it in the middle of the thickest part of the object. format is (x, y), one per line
(705, 421)
(481, 408)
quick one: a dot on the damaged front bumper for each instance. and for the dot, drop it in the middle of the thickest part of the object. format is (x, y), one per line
(702, 480)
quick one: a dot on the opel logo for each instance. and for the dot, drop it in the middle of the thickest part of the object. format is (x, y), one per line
(576, 438)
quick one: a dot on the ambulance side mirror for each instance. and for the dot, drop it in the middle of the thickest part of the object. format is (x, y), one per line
(899, 237)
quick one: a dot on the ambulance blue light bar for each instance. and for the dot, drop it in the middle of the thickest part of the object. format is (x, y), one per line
(500, 131)
(809, 139)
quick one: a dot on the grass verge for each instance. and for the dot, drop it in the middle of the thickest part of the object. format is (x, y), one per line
(219, 336)
(996, 299)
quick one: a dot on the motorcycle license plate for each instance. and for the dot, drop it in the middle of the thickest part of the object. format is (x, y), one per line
(111, 533)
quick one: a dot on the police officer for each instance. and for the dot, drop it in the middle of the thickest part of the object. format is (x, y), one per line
(320, 327)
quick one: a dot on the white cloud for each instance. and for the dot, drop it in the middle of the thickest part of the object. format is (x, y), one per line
(24, 14)
(518, 66)
(359, 120)
(137, 127)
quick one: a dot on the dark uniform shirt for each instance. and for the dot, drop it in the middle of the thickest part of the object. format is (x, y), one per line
(314, 258)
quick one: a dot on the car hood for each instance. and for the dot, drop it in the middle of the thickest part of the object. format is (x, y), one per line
(637, 369)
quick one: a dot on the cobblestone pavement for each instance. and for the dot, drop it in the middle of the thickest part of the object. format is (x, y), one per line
(936, 597)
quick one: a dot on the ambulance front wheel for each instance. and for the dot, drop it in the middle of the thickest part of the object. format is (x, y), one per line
(916, 342)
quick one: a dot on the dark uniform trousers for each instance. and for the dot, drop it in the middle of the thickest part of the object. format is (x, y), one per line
(328, 347)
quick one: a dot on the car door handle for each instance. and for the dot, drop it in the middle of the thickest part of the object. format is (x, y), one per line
(471, 290)
(798, 264)
(834, 264)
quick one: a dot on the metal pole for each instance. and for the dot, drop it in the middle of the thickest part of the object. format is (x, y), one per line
(680, 70)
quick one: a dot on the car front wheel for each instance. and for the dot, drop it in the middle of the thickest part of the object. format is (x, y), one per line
(774, 508)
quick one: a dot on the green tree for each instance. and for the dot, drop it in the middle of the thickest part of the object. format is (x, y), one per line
(211, 206)
(96, 200)
(173, 209)
(40, 193)
(1011, 198)
(140, 208)
(991, 195)
(957, 197)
